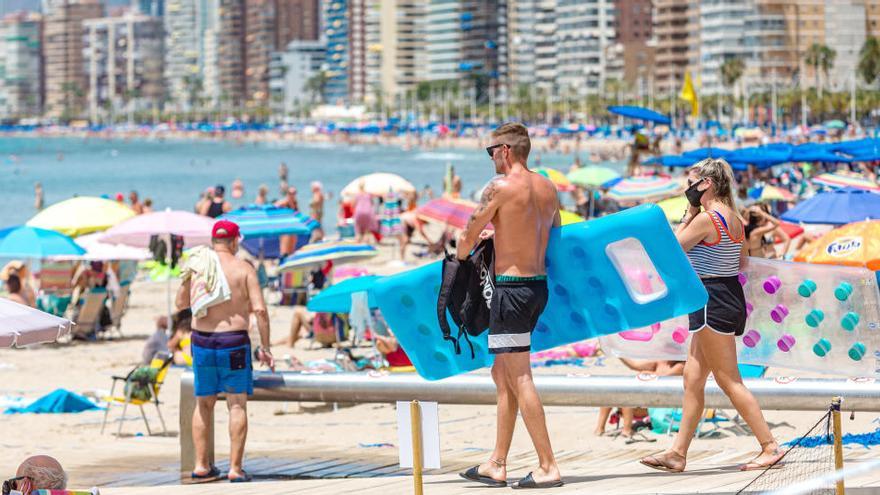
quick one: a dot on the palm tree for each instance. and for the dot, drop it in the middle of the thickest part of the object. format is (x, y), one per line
(820, 57)
(869, 60)
(317, 84)
(731, 71)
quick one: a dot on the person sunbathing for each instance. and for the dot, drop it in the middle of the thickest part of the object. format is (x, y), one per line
(628, 414)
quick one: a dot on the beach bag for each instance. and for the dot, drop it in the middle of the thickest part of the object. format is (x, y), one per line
(466, 290)
(140, 383)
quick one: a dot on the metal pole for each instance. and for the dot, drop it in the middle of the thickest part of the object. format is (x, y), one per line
(644, 390)
(416, 422)
(838, 442)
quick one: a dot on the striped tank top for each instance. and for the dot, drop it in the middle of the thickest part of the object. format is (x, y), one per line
(718, 259)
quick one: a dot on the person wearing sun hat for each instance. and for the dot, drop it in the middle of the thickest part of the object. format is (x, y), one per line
(221, 348)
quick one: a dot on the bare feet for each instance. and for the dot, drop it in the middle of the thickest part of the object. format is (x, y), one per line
(599, 432)
(669, 461)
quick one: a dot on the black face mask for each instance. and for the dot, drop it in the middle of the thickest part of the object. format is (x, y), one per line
(693, 194)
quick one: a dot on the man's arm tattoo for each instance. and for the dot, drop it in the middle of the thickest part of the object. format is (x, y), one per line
(487, 197)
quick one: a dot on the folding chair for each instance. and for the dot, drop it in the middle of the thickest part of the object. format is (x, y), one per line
(89, 316)
(159, 365)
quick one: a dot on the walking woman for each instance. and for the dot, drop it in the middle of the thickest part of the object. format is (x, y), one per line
(713, 240)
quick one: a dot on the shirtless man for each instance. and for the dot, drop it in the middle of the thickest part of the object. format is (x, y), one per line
(523, 207)
(221, 353)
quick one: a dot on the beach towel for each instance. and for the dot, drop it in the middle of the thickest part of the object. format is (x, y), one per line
(58, 401)
(209, 285)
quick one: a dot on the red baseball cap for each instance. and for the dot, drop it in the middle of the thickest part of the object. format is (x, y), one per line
(224, 229)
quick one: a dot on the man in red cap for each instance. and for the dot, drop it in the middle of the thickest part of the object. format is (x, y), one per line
(221, 352)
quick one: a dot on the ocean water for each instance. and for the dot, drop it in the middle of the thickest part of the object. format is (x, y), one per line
(173, 173)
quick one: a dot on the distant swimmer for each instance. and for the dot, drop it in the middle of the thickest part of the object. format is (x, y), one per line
(39, 201)
(221, 348)
(712, 235)
(523, 207)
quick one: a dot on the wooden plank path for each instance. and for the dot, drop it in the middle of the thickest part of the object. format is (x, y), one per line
(585, 471)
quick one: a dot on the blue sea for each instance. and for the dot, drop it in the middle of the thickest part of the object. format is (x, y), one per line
(173, 173)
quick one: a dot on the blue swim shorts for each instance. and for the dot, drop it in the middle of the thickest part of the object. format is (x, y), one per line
(222, 363)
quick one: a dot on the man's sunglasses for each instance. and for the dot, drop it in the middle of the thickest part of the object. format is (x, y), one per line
(12, 484)
(491, 149)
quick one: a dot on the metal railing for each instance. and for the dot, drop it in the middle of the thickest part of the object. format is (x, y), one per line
(556, 390)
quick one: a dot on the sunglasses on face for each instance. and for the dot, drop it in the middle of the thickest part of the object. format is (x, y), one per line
(13, 484)
(491, 149)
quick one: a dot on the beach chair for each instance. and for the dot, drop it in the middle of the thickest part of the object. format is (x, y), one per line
(140, 386)
(120, 306)
(293, 288)
(55, 279)
(88, 319)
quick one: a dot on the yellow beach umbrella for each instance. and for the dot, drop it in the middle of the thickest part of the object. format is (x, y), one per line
(674, 207)
(568, 217)
(556, 177)
(82, 215)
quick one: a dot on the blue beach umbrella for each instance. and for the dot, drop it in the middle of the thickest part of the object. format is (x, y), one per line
(319, 253)
(35, 243)
(760, 157)
(337, 298)
(814, 152)
(703, 153)
(670, 161)
(838, 207)
(270, 221)
(640, 113)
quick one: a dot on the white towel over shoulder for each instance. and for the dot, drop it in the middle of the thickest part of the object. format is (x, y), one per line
(208, 284)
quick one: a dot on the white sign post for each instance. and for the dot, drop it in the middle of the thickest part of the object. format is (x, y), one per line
(418, 431)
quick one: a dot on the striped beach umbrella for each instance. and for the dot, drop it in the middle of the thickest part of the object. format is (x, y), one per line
(454, 212)
(773, 193)
(592, 176)
(843, 179)
(556, 177)
(645, 188)
(270, 221)
(319, 253)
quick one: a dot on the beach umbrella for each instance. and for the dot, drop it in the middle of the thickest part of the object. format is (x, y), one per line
(22, 325)
(836, 207)
(760, 157)
(670, 161)
(835, 124)
(454, 212)
(379, 184)
(644, 188)
(568, 217)
(640, 113)
(855, 244)
(100, 251)
(318, 253)
(81, 215)
(556, 177)
(703, 153)
(674, 207)
(265, 221)
(337, 297)
(843, 179)
(34, 243)
(137, 231)
(814, 152)
(773, 193)
(592, 176)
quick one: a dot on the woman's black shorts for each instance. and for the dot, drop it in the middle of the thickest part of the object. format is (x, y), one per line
(725, 312)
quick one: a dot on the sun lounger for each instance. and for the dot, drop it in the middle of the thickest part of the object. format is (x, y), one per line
(120, 306)
(88, 319)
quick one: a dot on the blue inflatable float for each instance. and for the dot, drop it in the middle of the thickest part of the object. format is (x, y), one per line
(607, 275)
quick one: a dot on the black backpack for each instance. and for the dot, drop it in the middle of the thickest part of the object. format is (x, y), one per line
(466, 290)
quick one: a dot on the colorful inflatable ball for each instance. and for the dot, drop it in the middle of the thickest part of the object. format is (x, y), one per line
(814, 318)
(857, 351)
(850, 321)
(779, 313)
(807, 288)
(786, 342)
(751, 338)
(822, 347)
(772, 284)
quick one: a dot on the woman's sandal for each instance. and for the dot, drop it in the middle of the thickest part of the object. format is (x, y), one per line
(653, 462)
(760, 466)
(529, 482)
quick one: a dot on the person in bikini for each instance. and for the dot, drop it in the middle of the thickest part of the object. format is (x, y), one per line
(523, 207)
(221, 353)
(714, 242)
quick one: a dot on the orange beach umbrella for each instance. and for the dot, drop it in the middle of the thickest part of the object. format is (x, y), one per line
(854, 244)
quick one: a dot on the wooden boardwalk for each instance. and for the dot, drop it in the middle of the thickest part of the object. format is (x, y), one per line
(709, 471)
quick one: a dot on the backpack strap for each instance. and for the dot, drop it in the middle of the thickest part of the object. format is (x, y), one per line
(449, 270)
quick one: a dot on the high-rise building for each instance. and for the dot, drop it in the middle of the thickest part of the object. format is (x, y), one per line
(65, 75)
(291, 71)
(296, 20)
(521, 40)
(123, 59)
(21, 79)
(443, 40)
(676, 30)
(346, 32)
(584, 30)
(545, 51)
(633, 50)
(153, 8)
(186, 24)
(259, 43)
(401, 45)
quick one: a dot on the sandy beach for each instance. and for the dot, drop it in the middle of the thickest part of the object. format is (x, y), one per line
(346, 436)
